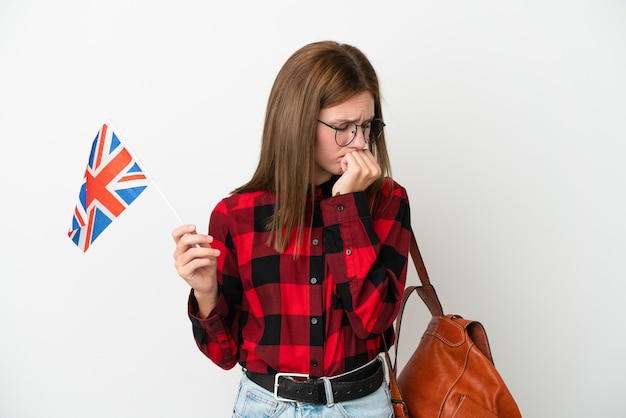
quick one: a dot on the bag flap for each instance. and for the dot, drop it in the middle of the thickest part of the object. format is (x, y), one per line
(447, 330)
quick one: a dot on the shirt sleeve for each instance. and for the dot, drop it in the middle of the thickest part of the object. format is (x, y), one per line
(366, 256)
(216, 336)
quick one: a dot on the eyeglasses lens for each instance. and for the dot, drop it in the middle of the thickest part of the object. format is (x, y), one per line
(348, 131)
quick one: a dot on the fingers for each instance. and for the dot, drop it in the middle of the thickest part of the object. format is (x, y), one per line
(361, 171)
(191, 246)
(182, 230)
(202, 256)
(364, 158)
(361, 166)
(189, 236)
(367, 162)
(195, 259)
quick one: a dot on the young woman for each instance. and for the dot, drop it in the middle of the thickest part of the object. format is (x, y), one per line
(304, 267)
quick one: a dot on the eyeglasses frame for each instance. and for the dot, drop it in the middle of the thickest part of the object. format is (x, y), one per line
(363, 128)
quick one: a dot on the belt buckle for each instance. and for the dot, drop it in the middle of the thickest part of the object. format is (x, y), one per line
(279, 375)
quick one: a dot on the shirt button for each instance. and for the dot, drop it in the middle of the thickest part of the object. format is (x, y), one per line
(348, 251)
(315, 241)
(314, 321)
(314, 363)
(313, 280)
(340, 208)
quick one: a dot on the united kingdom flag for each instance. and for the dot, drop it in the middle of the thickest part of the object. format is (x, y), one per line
(113, 180)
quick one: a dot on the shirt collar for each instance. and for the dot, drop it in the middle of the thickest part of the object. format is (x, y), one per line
(325, 189)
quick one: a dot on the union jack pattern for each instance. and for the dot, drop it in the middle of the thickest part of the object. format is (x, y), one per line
(113, 180)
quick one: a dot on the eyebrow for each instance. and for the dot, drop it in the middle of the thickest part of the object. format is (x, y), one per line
(341, 121)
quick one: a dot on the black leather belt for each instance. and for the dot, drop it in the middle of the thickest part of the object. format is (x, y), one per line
(346, 387)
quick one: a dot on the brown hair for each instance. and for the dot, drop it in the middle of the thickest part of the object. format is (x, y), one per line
(319, 75)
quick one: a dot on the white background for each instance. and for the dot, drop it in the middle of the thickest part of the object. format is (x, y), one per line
(506, 123)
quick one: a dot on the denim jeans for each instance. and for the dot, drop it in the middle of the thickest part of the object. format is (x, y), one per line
(253, 401)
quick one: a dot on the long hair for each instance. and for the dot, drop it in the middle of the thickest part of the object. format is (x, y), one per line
(319, 75)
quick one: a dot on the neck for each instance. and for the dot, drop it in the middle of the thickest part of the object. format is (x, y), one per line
(321, 177)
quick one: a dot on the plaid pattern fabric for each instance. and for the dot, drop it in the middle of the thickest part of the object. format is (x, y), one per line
(321, 313)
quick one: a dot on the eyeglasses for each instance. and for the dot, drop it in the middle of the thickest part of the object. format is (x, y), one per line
(346, 132)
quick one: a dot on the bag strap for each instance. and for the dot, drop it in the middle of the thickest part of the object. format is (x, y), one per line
(426, 292)
(400, 410)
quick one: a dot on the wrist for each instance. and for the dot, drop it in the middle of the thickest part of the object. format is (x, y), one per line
(206, 302)
(206, 298)
(204, 294)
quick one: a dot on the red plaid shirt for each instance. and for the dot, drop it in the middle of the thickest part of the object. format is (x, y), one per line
(321, 313)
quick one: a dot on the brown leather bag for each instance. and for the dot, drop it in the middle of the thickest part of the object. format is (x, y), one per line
(451, 373)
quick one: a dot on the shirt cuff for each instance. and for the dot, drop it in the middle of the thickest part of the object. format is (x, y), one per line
(215, 316)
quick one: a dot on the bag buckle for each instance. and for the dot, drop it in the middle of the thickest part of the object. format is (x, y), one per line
(286, 375)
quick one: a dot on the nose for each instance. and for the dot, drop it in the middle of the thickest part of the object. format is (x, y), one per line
(359, 141)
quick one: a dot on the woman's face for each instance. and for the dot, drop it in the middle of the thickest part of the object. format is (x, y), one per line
(328, 155)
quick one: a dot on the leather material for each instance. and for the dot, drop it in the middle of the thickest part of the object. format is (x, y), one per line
(449, 375)
(451, 372)
(400, 409)
(354, 385)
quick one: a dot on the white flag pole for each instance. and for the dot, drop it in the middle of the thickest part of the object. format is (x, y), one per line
(143, 167)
